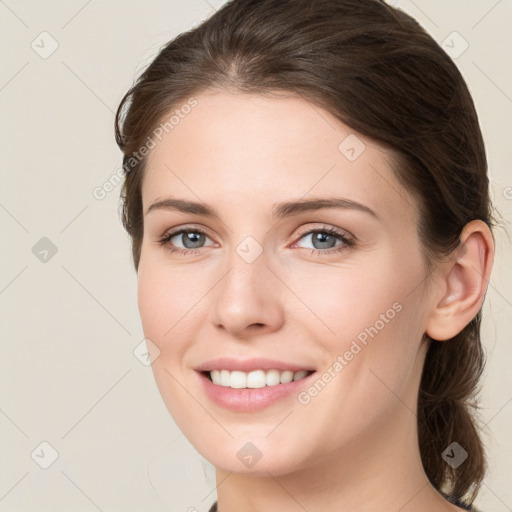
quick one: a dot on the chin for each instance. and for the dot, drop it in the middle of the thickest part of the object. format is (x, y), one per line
(256, 459)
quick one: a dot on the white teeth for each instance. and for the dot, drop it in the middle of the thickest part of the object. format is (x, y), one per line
(273, 378)
(238, 379)
(286, 377)
(225, 378)
(255, 379)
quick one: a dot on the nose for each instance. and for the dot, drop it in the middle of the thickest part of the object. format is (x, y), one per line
(248, 300)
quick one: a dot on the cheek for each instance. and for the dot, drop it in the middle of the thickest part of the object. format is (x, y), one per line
(166, 311)
(161, 302)
(369, 373)
(153, 302)
(341, 302)
(367, 315)
(171, 305)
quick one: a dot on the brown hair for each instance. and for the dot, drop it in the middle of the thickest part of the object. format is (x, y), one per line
(378, 71)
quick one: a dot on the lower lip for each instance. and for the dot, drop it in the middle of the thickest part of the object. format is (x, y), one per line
(249, 399)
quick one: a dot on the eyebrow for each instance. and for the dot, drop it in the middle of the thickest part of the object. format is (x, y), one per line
(279, 210)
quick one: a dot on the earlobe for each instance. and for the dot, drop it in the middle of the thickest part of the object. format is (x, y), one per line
(464, 284)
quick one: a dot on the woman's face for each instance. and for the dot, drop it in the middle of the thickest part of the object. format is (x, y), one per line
(265, 282)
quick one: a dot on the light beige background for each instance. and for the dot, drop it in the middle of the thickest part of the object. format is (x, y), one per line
(69, 325)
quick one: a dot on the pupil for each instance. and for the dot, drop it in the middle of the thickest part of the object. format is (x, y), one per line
(322, 238)
(194, 238)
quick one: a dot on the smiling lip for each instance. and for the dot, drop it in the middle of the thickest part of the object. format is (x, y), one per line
(249, 365)
(248, 399)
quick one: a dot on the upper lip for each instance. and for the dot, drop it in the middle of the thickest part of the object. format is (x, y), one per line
(248, 365)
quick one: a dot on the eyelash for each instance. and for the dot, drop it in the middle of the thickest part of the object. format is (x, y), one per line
(347, 242)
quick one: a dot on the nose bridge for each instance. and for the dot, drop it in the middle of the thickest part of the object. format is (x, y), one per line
(247, 264)
(248, 293)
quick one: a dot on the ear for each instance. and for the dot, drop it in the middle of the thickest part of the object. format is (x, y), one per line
(463, 283)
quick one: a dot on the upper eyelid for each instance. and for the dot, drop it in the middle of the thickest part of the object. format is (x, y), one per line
(325, 227)
(178, 231)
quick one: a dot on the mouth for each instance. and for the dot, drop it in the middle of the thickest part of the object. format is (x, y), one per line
(255, 379)
(251, 385)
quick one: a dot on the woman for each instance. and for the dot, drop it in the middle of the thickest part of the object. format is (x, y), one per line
(307, 198)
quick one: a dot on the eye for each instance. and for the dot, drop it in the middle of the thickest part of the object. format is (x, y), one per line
(191, 239)
(326, 240)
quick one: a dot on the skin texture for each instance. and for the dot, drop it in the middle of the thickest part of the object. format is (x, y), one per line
(354, 446)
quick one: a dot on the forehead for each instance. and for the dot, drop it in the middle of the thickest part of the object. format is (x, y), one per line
(235, 148)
